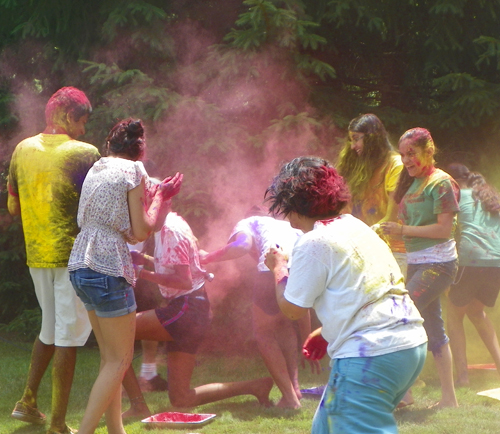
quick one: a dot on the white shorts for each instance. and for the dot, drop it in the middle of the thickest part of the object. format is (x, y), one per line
(65, 321)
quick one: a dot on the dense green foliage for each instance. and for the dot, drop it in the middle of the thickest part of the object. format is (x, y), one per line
(228, 89)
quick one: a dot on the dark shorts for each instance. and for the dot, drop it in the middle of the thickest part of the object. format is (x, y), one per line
(426, 283)
(481, 283)
(264, 293)
(187, 319)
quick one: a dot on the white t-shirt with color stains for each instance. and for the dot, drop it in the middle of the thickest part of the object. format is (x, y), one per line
(349, 276)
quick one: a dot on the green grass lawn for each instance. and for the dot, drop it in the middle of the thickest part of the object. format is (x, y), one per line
(476, 415)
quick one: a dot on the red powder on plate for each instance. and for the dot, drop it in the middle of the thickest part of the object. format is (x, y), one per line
(179, 417)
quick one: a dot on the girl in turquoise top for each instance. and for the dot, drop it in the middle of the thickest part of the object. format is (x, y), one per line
(478, 279)
(428, 203)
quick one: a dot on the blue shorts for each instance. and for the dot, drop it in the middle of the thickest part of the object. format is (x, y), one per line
(426, 283)
(109, 296)
(363, 392)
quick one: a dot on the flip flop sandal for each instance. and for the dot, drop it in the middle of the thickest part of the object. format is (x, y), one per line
(66, 430)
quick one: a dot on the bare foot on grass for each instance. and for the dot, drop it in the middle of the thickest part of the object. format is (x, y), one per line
(262, 389)
(136, 412)
(407, 400)
(443, 404)
(293, 404)
(298, 392)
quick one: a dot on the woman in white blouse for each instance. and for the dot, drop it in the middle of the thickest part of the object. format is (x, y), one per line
(117, 206)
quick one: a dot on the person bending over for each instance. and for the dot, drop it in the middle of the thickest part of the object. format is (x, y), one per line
(274, 333)
(182, 323)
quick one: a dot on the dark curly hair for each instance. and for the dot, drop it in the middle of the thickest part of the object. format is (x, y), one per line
(482, 192)
(127, 138)
(309, 186)
(356, 169)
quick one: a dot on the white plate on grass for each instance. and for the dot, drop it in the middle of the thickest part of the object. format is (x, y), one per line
(178, 420)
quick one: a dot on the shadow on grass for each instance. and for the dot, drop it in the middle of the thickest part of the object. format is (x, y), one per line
(29, 429)
(245, 411)
(414, 415)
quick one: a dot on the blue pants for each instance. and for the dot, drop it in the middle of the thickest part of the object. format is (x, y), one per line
(362, 392)
(426, 283)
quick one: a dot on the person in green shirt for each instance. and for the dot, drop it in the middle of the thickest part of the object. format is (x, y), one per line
(428, 204)
(478, 279)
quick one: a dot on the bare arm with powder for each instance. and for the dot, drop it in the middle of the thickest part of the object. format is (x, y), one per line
(142, 217)
(13, 205)
(180, 279)
(390, 183)
(277, 262)
(239, 245)
(304, 325)
(392, 210)
(441, 229)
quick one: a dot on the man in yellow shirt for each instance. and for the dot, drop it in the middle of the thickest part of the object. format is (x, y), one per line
(46, 174)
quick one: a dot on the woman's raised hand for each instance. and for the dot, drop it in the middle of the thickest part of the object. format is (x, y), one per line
(170, 186)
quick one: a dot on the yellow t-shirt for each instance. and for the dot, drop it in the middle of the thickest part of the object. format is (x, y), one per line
(47, 173)
(372, 207)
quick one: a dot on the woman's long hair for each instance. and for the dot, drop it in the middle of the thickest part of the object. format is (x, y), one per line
(419, 137)
(482, 192)
(358, 170)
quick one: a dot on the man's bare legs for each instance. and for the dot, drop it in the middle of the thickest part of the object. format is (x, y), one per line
(180, 370)
(63, 369)
(115, 337)
(475, 312)
(40, 359)
(277, 342)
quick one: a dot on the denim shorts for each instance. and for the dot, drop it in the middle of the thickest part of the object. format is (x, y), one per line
(363, 392)
(109, 296)
(426, 283)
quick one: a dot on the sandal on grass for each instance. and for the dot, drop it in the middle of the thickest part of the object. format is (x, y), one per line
(66, 430)
(28, 414)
